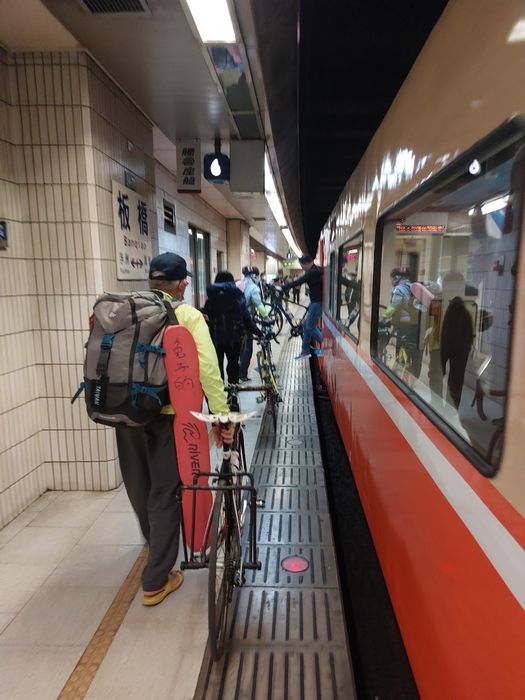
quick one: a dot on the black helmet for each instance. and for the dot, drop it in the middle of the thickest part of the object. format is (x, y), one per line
(400, 273)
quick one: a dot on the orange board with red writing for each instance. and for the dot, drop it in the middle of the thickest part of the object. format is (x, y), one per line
(191, 435)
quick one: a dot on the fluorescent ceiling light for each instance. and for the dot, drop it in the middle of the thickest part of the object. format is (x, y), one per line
(272, 197)
(287, 234)
(492, 205)
(271, 194)
(213, 21)
(495, 205)
(517, 33)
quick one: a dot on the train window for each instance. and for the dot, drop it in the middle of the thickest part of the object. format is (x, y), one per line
(348, 294)
(331, 282)
(447, 276)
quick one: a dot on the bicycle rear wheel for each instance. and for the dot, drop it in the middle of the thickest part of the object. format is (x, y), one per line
(223, 563)
(272, 400)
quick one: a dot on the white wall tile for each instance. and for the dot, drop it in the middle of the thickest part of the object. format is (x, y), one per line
(73, 125)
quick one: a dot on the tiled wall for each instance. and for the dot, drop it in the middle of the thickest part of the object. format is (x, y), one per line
(71, 131)
(189, 210)
(66, 131)
(22, 476)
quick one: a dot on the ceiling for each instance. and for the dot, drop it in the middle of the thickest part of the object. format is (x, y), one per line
(321, 75)
(346, 61)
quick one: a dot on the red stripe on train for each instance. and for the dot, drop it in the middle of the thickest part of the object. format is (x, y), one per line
(462, 627)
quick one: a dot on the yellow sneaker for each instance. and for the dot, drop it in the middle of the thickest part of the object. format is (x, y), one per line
(175, 581)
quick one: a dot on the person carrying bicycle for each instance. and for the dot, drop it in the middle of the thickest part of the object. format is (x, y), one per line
(256, 307)
(147, 454)
(404, 314)
(352, 295)
(313, 277)
(229, 321)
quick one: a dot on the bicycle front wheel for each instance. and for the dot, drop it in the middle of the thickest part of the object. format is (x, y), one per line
(273, 397)
(276, 317)
(223, 563)
(272, 408)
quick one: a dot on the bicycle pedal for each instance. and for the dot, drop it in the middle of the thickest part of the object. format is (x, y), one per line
(260, 503)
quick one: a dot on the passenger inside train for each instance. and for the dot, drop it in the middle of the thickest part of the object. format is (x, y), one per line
(452, 247)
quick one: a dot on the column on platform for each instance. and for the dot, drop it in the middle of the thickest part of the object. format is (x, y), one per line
(238, 236)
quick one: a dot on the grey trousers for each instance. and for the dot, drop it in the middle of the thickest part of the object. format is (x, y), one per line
(148, 462)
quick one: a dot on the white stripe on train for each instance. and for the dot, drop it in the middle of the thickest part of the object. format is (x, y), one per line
(505, 554)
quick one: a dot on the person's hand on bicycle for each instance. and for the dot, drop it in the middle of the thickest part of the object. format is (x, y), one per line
(223, 434)
(268, 332)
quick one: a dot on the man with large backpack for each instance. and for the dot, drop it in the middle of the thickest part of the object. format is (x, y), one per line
(147, 453)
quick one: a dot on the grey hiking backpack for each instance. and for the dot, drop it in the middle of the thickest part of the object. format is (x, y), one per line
(125, 380)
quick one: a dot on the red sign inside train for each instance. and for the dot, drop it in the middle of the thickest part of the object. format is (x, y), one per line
(426, 228)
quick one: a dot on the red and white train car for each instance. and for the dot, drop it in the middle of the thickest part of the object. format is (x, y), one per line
(435, 426)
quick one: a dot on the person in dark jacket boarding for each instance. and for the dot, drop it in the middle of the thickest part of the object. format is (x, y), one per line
(313, 277)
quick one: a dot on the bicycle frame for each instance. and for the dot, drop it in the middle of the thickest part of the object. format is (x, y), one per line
(296, 327)
(199, 560)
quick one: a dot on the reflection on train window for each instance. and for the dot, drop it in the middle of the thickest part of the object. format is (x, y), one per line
(447, 286)
(331, 282)
(348, 293)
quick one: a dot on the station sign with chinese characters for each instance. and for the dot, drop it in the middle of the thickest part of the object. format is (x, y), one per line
(132, 233)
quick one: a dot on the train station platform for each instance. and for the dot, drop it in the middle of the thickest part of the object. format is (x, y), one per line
(72, 623)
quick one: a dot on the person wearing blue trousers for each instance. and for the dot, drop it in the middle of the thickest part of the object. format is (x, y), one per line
(313, 277)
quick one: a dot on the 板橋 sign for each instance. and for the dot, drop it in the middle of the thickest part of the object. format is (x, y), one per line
(132, 234)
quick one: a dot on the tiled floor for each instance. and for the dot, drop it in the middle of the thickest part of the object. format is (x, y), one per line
(62, 562)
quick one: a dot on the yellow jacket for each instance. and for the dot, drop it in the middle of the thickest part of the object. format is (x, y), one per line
(210, 376)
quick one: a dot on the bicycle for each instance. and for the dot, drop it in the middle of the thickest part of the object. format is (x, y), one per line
(277, 314)
(482, 391)
(385, 348)
(397, 356)
(267, 372)
(222, 552)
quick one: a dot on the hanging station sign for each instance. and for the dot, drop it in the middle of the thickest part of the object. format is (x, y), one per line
(132, 233)
(188, 165)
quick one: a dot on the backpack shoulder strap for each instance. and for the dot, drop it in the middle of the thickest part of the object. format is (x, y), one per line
(170, 310)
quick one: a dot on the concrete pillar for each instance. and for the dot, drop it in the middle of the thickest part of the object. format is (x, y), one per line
(260, 261)
(238, 242)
